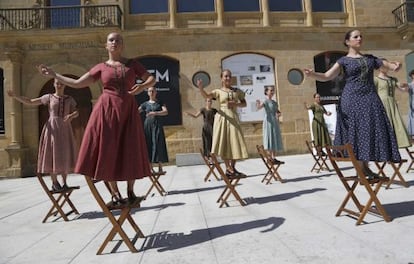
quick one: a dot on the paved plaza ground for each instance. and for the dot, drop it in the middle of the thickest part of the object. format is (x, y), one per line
(291, 222)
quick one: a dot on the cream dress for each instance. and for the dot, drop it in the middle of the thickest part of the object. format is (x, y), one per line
(228, 140)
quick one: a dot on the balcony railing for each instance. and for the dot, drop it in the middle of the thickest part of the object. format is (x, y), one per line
(404, 14)
(60, 17)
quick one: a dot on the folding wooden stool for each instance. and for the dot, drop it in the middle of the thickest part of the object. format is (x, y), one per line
(396, 172)
(155, 183)
(411, 155)
(58, 199)
(210, 166)
(345, 154)
(271, 166)
(109, 209)
(320, 160)
(230, 182)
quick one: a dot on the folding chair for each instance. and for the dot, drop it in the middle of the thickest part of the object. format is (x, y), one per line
(396, 172)
(345, 154)
(58, 199)
(109, 209)
(320, 160)
(411, 154)
(210, 166)
(230, 182)
(271, 166)
(155, 183)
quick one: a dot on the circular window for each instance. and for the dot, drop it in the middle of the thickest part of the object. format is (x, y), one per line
(203, 76)
(295, 76)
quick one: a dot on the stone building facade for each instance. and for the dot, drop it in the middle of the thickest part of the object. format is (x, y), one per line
(198, 41)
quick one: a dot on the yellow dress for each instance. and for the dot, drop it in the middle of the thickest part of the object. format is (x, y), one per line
(228, 139)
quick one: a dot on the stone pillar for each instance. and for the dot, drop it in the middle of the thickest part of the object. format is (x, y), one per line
(349, 9)
(172, 9)
(308, 10)
(14, 84)
(265, 11)
(220, 12)
(18, 154)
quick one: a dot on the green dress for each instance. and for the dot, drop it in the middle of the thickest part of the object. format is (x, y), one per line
(228, 140)
(386, 91)
(319, 128)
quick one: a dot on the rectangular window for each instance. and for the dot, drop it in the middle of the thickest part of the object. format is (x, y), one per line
(195, 6)
(285, 6)
(65, 17)
(241, 5)
(148, 7)
(327, 6)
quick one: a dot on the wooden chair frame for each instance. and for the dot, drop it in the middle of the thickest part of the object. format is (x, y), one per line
(272, 167)
(155, 183)
(58, 199)
(411, 155)
(210, 166)
(320, 160)
(230, 187)
(109, 210)
(396, 173)
(345, 154)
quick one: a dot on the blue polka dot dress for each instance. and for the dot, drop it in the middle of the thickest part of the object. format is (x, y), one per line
(361, 117)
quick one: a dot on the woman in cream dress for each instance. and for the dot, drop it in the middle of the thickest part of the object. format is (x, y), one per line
(228, 140)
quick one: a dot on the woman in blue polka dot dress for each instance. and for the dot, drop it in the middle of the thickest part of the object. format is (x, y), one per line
(361, 117)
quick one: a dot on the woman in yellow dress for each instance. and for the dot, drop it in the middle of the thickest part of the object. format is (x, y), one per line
(228, 140)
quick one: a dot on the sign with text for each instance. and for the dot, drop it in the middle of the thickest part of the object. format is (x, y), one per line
(251, 73)
(166, 73)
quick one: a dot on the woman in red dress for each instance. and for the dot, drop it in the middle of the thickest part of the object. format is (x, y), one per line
(113, 147)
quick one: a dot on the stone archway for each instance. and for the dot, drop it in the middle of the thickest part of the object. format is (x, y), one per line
(83, 99)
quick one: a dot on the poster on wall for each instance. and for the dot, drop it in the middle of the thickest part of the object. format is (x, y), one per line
(251, 73)
(329, 120)
(166, 73)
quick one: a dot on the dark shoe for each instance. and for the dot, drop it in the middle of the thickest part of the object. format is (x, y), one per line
(229, 174)
(56, 187)
(117, 200)
(65, 187)
(239, 174)
(323, 154)
(276, 161)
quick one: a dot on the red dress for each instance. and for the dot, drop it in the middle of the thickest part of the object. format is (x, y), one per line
(113, 147)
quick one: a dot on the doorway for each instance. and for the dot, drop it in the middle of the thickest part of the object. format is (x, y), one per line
(83, 99)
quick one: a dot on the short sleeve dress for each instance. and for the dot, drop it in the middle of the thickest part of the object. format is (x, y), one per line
(228, 140)
(57, 148)
(207, 131)
(272, 137)
(113, 147)
(386, 91)
(154, 132)
(319, 128)
(410, 123)
(361, 117)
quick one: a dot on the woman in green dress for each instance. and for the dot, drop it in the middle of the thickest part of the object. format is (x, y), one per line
(228, 140)
(386, 86)
(319, 129)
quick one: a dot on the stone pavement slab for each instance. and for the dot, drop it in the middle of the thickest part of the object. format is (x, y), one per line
(293, 222)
